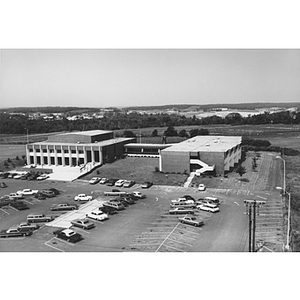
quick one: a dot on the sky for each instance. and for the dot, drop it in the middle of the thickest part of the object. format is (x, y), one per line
(146, 77)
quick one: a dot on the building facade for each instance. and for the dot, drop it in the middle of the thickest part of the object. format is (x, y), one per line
(75, 149)
(217, 154)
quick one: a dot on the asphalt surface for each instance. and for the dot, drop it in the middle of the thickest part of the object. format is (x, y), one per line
(147, 226)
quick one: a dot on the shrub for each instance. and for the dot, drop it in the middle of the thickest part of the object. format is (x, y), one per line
(156, 169)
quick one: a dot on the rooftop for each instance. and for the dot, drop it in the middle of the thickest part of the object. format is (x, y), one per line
(102, 143)
(89, 132)
(206, 143)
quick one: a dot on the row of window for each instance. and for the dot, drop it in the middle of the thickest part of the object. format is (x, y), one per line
(57, 151)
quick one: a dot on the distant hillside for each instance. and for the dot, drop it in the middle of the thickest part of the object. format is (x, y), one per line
(210, 106)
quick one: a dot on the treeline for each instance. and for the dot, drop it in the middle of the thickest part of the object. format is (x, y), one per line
(18, 124)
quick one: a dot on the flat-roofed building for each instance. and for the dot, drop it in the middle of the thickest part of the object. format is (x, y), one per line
(76, 148)
(204, 153)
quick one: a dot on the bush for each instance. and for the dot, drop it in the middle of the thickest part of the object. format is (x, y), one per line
(156, 169)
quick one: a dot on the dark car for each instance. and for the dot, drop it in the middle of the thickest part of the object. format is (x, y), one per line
(120, 200)
(108, 210)
(40, 196)
(19, 205)
(55, 191)
(68, 235)
(48, 193)
(188, 197)
(3, 185)
(127, 199)
(128, 183)
(111, 182)
(146, 185)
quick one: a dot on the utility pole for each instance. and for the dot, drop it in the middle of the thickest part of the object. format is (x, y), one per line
(252, 209)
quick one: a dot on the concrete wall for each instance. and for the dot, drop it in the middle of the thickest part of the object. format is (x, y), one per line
(175, 161)
(214, 158)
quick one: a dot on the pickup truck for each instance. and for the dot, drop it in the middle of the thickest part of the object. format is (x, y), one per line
(14, 232)
(114, 193)
(183, 201)
(25, 226)
(63, 206)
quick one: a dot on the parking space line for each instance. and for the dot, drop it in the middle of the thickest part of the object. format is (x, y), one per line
(189, 237)
(28, 202)
(64, 241)
(188, 230)
(53, 246)
(80, 229)
(168, 246)
(168, 236)
(13, 208)
(5, 211)
(180, 242)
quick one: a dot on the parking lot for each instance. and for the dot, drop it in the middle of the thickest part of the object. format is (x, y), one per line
(147, 226)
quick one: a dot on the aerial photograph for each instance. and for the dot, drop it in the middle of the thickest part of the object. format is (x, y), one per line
(150, 150)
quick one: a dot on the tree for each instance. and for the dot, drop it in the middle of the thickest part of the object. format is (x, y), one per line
(183, 133)
(171, 131)
(201, 131)
(128, 133)
(17, 157)
(154, 133)
(254, 163)
(240, 170)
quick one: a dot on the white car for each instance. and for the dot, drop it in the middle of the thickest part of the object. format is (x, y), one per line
(43, 177)
(201, 187)
(94, 180)
(183, 201)
(97, 215)
(138, 195)
(83, 198)
(120, 182)
(207, 208)
(103, 180)
(207, 203)
(27, 192)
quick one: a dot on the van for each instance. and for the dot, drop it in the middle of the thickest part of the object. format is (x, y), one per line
(114, 204)
(39, 218)
(213, 200)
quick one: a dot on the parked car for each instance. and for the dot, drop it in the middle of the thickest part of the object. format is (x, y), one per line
(207, 203)
(19, 205)
(138, 195)
(108, 210)
(182, 201)
(116, 205)
(120, 182)
(181, 210)
(128, 199)
(191, 221)
(146, 184)
(128, 183)
(3, 185)
(103, 180)
(120, 200)
(208, 208)
(83, 223)
(25, 226)
(111, 182)
(16, 196)
(48, 193)
(63, 206)
(55, 191)
(39, 218)
(14, 232)
(27, 192)
(18, 176)
(40, 196)
(94, 180)
(68, 235)
(83, 198)
(98, 215)
(188, 197)
(43, 177)
(202, 187)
